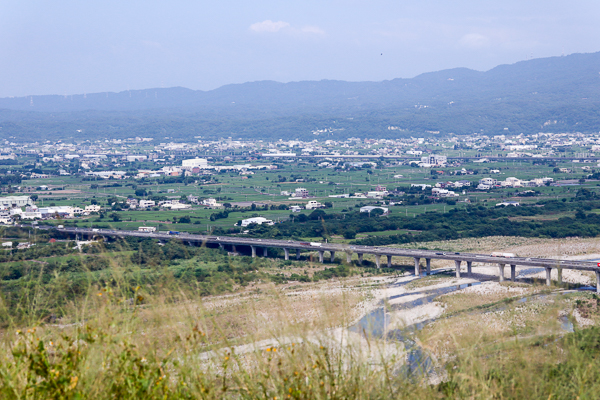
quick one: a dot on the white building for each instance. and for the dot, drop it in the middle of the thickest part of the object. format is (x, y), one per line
(295, 208)
(512, 181)
(313, 204)
(201, 163)
(211, 203)
(147, 203)
(439, 192)
(93, 208)
(177, 206)
(434, 159)
(15, 201)
(377, 194)
(256, 220)
(368, 209)
(488, 181)
(61, 211)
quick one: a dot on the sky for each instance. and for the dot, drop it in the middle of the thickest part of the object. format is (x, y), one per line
(87, 46)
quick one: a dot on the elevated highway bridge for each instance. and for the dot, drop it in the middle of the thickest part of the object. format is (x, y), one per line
(470, 259)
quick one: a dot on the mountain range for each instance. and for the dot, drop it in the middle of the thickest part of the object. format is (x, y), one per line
(557, 94)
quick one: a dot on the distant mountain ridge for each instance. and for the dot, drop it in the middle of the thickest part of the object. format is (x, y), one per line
(526, 96)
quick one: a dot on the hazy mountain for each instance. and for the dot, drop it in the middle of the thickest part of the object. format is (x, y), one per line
(550, 94)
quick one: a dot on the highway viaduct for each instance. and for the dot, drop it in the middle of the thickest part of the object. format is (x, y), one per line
(332, 248)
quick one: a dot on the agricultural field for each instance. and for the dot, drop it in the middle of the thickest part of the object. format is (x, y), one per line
(259, 194)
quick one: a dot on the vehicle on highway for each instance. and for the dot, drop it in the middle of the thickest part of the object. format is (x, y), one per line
(173, 233)
(505, 255)
(305, 243)
(60, 226)
(316, 244)
(439, 254)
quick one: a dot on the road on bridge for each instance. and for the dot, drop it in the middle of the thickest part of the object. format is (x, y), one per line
(349, 250)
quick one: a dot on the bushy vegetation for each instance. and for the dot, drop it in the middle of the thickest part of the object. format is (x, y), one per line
(471, 221)
(56, 274)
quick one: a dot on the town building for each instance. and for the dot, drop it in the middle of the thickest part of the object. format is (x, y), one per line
(201, 163)
(311, 205)
(15, 201)
(434, 159)
(256, 220)
(147, 203)
(368, 209)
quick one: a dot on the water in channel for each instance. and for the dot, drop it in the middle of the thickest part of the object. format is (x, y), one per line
(375, 324)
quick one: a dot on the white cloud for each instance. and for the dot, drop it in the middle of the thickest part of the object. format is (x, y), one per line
(474, 41)
(269, 26)
(312, 29)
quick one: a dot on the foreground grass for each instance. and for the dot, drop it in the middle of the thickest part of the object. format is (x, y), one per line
(166, 340)
(161, 350)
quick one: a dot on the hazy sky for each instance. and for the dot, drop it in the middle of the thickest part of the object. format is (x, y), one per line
(85, 46)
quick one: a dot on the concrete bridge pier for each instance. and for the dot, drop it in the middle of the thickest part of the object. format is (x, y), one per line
(457, 264)
(321, 252)
(428, 265)
(501, 272)
(253, 251)
(297, 254)
(332, 256)
(378, 260)
(559, 269)
(348, 258)
(389, 263)
(287, 253)
(548, 276)
(470, 268)
(360, 258)
(264, 251)
(233, 249)
(417, 267)
(513, 272)
(221, 247)
(597, 281)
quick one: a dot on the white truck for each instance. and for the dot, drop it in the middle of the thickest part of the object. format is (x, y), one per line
(506, 255)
